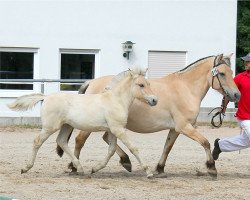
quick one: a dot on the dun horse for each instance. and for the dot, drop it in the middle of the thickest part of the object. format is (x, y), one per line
(107, 111)
(180, 95)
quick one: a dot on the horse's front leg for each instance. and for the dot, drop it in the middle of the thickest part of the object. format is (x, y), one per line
(192, 133)
(62, 141)
(172, 136)
(120, 134)
(112, 147)
(124, 159)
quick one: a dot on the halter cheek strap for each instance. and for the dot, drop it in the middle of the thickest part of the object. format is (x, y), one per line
(220, 113)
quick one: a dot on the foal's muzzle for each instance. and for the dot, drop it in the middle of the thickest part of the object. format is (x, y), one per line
(152, 100)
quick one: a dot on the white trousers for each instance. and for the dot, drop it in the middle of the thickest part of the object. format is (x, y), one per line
(237, 142)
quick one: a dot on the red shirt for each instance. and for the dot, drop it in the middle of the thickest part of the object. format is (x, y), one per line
(242, 81)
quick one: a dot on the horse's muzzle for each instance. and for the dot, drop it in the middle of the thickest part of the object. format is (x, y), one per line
(233, 96)
(152, 100)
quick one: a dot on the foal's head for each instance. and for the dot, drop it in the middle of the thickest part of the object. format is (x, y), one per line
(140, 87)
(222, 78)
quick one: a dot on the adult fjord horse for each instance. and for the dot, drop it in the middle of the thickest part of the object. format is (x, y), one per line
(107, 111)
(180, 95)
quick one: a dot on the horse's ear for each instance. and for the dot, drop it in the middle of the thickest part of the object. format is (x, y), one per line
(230, 55)
(219, 58)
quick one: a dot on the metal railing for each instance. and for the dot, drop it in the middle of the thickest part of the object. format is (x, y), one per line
(42, 81)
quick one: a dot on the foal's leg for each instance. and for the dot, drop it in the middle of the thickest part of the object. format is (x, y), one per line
(124, 159)
(112, 146)
(120, 134)
(62, 141)
(172, 136)
(79, 143)
(192, 133)
(38, 141)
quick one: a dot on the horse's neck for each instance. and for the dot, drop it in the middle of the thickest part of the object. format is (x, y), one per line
(123, 92)
(196, 79)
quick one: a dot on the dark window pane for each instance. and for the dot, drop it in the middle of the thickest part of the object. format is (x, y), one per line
(16, 65)
(76, 66)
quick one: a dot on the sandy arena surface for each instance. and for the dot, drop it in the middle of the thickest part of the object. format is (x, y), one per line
(49, 178)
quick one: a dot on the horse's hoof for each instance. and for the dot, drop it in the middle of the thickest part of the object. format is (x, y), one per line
(23, 171)
(160, 169)
(126, 163)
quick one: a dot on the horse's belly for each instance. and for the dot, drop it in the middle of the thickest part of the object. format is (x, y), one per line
(143, 122)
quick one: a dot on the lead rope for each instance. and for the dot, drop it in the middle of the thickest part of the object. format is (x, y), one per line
(219, 113)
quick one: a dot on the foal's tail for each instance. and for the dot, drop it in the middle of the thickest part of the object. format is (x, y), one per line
(26, 102)
(82, 90)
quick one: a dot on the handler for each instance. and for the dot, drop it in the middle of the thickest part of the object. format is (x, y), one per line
(241, 141)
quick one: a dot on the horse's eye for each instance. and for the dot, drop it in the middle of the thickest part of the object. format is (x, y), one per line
(141, 85)
(222, 74)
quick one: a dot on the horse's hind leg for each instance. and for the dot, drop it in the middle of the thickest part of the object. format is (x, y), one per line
(112, 147)
(172, 136)
(38, 141)
(62, 141)
(124, 159)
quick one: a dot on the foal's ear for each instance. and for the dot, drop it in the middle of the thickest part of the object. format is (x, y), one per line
(130, 72)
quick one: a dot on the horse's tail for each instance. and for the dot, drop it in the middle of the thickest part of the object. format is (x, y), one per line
(26, 102)
(82, 90)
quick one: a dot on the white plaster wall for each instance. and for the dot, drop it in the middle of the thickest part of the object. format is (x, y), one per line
(201, 28)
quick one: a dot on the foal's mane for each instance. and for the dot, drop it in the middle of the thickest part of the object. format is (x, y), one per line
(194, 64)
(116, 79)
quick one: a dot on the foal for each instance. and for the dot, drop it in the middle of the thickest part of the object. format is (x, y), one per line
(107, 111)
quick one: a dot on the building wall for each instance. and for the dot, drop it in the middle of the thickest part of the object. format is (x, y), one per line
(201, 28)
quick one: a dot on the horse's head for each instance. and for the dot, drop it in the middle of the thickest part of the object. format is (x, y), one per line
(221, 78)
(141, 87)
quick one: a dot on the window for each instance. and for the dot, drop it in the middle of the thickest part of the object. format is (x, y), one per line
(16, 65)
(76, 65)
(162, 63)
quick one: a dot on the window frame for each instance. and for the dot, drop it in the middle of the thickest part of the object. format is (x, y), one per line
(94, 52)
(36, 86)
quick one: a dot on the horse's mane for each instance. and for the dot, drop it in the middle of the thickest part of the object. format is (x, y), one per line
(225, 60)
(194, 64)
(116, 79)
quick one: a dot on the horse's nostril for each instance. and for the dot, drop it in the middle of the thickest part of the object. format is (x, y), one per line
(237, 95)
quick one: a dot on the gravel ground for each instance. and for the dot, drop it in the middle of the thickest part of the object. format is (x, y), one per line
(50, 178)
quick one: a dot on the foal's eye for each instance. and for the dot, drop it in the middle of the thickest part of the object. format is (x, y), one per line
(141, 85)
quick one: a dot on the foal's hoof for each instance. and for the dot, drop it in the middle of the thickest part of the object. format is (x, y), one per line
(212, 173)
(76, 173)
(150, 176)
(71, 166)
(125, 162)
(93, 171)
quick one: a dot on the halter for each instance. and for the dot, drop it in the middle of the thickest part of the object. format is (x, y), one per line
(215, 72)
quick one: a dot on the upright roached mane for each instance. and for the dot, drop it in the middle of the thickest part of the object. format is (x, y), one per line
(107, 111)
